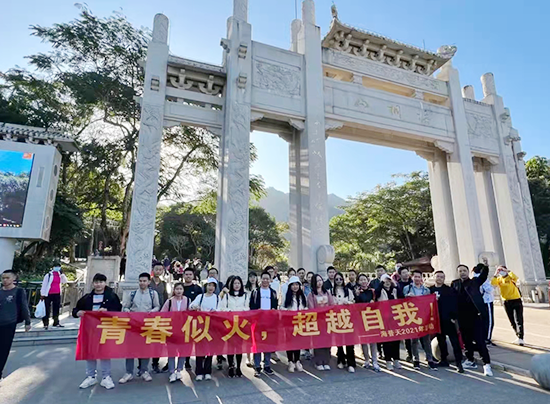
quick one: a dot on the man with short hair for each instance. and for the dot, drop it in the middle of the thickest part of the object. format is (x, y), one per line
(263, 298)
(470, 315)
(158, 285)
(190, 290)
(213, 273)
(506, 280)
(405, 279)
(301, 275)
(329, 283)
(13, 310)
(143, 300)
(352, 284)
(375, 283)
(447, 304)
(101, 298)
(415, 289)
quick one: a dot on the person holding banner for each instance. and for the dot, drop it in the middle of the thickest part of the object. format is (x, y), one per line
(236, 299)
(344, 295)
(101, 298)
(417, 288)
(178, 302)
(320, 297)
(264, 298)
(207, 301)
(388, 291)
(294, 300)
(366, 295)
(144, 300)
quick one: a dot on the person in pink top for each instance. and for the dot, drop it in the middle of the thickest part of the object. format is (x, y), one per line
(320, 297)
(51, 294)
(178, 302)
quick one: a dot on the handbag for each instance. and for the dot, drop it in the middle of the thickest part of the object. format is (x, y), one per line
(40, 311)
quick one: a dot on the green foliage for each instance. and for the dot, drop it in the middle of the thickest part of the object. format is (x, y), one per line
(538, 176)
(392, 223)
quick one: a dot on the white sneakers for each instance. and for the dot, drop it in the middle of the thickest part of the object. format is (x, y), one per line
(299, 366)
(326, 367)
(469, 364)
(519, 342)
(397, 364)
(207, 377)
(351, 369)
(320, 367)
(88, 382)
(340, 366)
(107, 382)
(389, 365)
(199, 378)
(291, 367)
(146, 376)
(173, 377)
(487, 371)
(126, 378)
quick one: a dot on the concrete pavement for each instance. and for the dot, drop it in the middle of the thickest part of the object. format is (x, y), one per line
(49, 375)
(536, 323)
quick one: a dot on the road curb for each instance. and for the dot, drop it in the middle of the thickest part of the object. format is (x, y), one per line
(511, 369)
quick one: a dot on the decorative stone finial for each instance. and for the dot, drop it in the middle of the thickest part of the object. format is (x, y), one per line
(160, 29)
(308, 12)
(468, 92)
(488, 84)
(334, 11)
(447, 51)
(240, 10)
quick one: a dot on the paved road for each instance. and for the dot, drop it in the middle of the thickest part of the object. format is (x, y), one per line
(536, 322)
(49, 375)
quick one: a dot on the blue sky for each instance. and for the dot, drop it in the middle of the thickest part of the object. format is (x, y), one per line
(505, 37)
(13, 162)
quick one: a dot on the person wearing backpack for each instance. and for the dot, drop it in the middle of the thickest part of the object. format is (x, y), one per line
(13, 310)
(207, 301)
(143, 300)
(506, 280)
(178, 302)
(236, 299)
(101, 298)
(51, 294)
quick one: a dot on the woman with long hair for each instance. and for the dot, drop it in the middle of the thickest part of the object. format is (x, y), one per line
(178, 302)
(364, 294)
(387, 290)
(236, 299)
(250, 287)
(342, 296)
(294, 300)
(320, 297)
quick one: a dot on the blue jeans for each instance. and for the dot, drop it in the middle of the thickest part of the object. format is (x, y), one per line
(172, 364)
(143, 366)
(91, 368)
(258, 360)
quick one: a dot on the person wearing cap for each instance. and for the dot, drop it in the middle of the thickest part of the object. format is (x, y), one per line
(294, 299)
(207, 301)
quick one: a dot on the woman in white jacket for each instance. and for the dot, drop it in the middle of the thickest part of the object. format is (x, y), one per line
(294, 299)
(343, 295)
(236, 299)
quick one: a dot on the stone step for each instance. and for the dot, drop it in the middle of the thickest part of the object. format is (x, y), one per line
(47, 333)
(55, 340)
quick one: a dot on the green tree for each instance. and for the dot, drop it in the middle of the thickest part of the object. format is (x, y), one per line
(538, 175)
(392, 223)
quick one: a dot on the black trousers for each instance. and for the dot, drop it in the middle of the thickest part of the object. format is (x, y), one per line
(7, 332)
(489, 321)
(347, 358)
(408, 347)
(55, 302)
(391, 350)
(204, 365)
(231, 360)
(293, 356)
(514, 310)
(448, 329)
(472, 330)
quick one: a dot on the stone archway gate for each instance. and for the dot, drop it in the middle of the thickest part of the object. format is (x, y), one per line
(351, 84)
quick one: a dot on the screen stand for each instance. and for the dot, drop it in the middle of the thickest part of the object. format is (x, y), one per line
(7, 251)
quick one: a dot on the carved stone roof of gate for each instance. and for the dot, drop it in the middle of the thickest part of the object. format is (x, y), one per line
(34, 135)
(195, 65)
(348, 39)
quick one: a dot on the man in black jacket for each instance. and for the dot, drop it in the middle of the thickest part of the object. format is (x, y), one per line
(470, 315)
(263, 298)
(447, 304)
(101, 298)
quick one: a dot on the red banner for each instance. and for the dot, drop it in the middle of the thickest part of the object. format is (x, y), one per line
(105, 335)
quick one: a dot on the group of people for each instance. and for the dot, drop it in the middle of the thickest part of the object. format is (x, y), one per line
(462, 309)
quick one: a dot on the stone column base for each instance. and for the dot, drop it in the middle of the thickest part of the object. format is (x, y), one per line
(534, 291)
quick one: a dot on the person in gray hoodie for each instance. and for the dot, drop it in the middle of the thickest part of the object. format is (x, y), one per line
(417, 288)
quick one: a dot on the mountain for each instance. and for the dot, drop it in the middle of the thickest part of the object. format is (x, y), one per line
(276, 203)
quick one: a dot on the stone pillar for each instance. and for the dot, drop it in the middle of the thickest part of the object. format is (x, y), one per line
(234, 182)
(312, 169)
(144, 201)
(519, 235)
(442, 207)
(7, 252)
(461, 176)
(488, 209)
(468, 92)
(295, 202)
